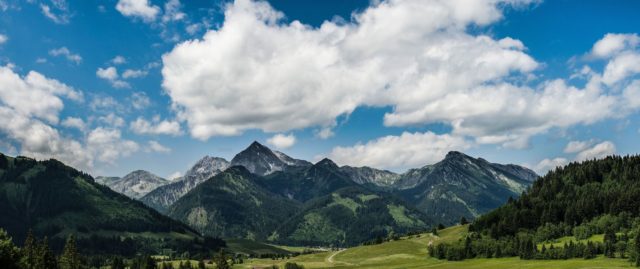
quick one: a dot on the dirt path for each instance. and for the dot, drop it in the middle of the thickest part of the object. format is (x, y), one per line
(330, 258)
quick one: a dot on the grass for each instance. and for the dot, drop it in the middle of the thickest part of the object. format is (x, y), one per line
(560, 241)
(411, 252)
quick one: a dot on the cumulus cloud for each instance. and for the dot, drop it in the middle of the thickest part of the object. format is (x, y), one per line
(549, 164)
(397, 152)
(612, 44)
(3, 39)
(282, 141)
(583, 150)
(141, 9)
(598, 151)
(34, 95)
(73, 122)
(175, 175)
(155, 146)
(302, 76)
(119, 59)
(108, 146)
(156, 127)
(65, 52)
(111, 75)
(30, 105)
(112, 120)
(438, 72)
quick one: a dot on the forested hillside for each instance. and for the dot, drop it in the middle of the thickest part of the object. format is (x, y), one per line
(580, 210)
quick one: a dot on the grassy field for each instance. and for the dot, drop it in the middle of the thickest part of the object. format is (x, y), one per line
(412, 253)
(560, 241)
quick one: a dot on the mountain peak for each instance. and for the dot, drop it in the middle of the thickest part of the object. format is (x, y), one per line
(326, 162)
(456, 154)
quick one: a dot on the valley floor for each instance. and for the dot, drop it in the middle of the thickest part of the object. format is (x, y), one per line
(412, 253)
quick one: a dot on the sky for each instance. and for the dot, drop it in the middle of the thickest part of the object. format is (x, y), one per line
(111, 86)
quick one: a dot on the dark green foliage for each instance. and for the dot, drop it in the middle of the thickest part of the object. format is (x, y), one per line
(440, 226)
(572, 195)
(581, 199)
(49, 197)
(70, 258)
(45, 259)
(463, 221)
(221, 261)
(9, 254)
(636, 248)
(117, 263)
(233, 204)
(201, 264)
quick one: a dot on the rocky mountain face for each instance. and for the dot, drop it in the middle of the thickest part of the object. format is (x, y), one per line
(164, 196)
(367, 175)
(262, 161)
(135, 184)
(55, 200)
(462, 186)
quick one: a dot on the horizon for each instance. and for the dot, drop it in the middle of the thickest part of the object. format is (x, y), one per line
(109, 88)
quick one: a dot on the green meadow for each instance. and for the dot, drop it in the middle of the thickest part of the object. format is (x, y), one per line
(411, 252)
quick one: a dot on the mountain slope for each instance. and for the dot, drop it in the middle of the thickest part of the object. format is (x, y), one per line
(461, 186)
(55, 200)
(368, 175)
(163, 197)
(261, 160)
(570, 196)
(350, 216)
(305, 183)
(232, 204)
(135, 184)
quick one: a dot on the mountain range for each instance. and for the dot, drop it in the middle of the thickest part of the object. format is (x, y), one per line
(266, 195)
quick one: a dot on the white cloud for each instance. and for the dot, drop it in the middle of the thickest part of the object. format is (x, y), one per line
(138, 9)
(156, 127)
(140, 100)
(172, 11)
(60, 7)
(397, 152)
(111, 74)
(325, 133)
(155, 146)
(72, 122)
(549, 164)
(621, 67)
(34, 95)
(108, 146)
(64, 51)
(28, 107)
(131, 73)
(577, 146)
(598, 151)
(112, 120)
(612, 44)
(41, 60)
(282, 141)
(119, 59)
(3, 39)
(302, 76)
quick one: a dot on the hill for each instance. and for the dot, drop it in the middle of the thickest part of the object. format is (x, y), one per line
(55, 200)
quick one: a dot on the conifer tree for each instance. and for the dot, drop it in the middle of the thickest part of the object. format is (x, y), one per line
(9, 253)
(70, 258)
(117, 263)
(221, 261)
(29, 251)
(636, 248)
(45, 259)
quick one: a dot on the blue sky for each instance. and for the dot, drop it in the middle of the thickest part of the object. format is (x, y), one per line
(114, 86)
